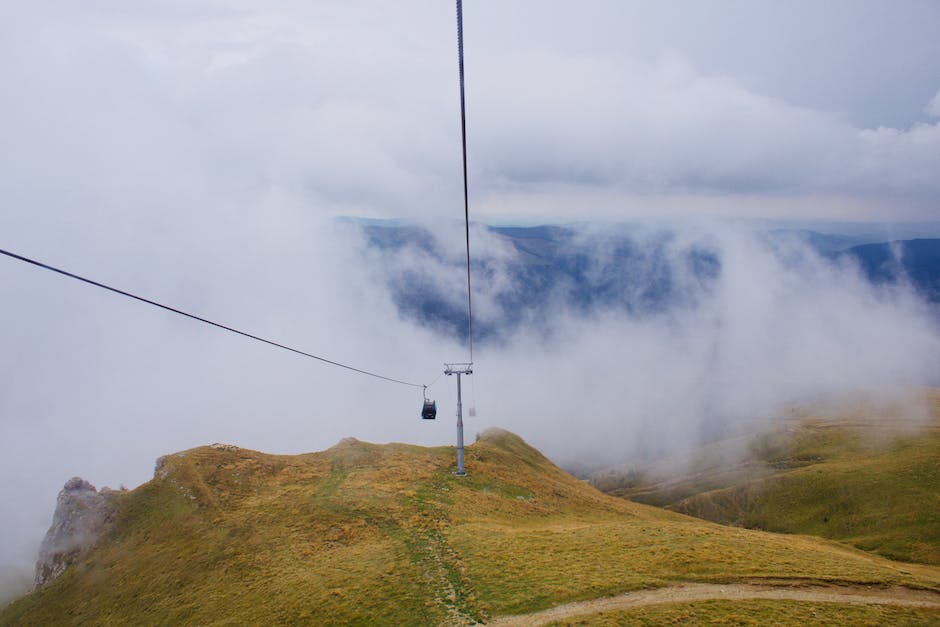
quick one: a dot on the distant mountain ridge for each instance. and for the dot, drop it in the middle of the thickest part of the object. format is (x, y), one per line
(916, 262)
(592, 272)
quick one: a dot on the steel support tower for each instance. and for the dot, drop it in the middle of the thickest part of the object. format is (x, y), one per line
(459, 369)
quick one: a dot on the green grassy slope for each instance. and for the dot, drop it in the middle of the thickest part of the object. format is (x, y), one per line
(385, 534)
(842, 478)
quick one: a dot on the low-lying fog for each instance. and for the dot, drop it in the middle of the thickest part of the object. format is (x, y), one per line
(99, 386)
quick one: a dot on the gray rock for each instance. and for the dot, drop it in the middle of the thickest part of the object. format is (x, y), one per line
(160, 469)
(81, 515)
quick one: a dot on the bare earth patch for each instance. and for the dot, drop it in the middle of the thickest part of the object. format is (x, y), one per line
(853, 595)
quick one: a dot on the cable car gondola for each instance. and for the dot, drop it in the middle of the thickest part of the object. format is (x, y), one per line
(429, 411)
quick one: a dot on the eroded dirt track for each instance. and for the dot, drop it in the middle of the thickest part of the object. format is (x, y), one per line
(855, 595)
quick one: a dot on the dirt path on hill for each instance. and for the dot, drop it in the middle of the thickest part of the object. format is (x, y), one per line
(683, 593)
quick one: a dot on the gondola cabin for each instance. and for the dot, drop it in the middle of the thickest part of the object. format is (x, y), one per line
(429, 411)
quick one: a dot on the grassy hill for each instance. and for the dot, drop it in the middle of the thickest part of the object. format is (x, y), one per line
(386, 534)
(846, 476)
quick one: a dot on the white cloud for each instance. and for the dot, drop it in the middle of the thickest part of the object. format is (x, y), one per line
(356, 106)
(778, 327)
(662, 128)
(933, 107)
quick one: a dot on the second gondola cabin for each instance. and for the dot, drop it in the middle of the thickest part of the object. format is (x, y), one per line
(429, 410)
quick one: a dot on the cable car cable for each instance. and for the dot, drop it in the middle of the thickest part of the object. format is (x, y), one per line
(466, 200)
(204, 320)
(436, 379)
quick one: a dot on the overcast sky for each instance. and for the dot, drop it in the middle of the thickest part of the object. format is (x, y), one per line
(197, 152)
(576, 110)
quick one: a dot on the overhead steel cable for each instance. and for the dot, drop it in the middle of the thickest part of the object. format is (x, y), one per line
(466, 197)
(204, 320)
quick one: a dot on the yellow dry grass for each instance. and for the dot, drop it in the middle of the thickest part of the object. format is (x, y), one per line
(386, 534)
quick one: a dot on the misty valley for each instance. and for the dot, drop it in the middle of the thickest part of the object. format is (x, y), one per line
(525, 275)
(689, 486)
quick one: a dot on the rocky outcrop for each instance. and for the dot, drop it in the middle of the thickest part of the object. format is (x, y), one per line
(82, 514)
(231, 448)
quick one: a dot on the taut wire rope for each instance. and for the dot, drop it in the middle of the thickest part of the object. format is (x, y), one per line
(204, 320)
(466, 197)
